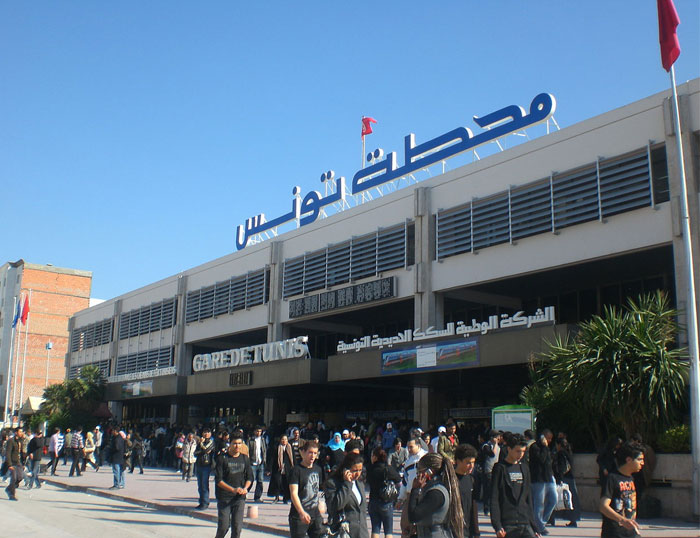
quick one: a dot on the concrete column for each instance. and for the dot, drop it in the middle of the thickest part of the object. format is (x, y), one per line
(114, 344)
(269, 410)
(421, 406)
(275, 330)
(428, 306)
(173, 413)
(182, 363)
(116, 409)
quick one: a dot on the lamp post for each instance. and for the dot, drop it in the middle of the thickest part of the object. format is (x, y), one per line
(49, 345)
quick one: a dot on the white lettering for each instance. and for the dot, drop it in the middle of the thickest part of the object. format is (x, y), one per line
(292, 348)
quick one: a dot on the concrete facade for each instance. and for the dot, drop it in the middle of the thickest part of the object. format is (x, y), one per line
(575, 265)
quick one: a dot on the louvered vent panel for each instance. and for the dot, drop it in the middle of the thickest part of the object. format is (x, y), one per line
(490, 221)
(391, 248)
(575, 197)
(315, 271)
(454, 231)
(531, 210)
(294, 276)
(255, 294)
(238, 285)
(338, 264)
(624, 184)
(221, 297)
(192, 307)
(363, 261)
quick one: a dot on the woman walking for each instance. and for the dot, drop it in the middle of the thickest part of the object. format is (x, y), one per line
(381, 508)
(434, 505)
(345, 497)
(281, 466)
(89, 453)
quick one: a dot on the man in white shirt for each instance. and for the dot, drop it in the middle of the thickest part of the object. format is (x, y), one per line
(257, 451)
(415, 453)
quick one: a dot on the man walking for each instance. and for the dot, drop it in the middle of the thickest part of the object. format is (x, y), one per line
(511, 501)
(55, 449)
(490, 452)
(117, 448)
(415, 453)
(233, 479)
(35, 451)
(448, 443)
(618, 502)
(205, 458)
(544, 489)
(257, 450)
(304, 489)
(97, 433)
(465, 459)
(14, 454)
(77, 444)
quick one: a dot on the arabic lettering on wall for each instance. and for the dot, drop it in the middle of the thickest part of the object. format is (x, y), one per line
(504, 321)
(497, 124)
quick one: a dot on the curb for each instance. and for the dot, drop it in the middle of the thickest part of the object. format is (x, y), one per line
(164, 507)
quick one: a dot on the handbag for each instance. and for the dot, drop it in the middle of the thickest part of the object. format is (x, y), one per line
(339, 528)
(388, 493)
(564, 499)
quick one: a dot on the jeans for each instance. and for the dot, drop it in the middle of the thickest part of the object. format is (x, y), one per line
(381, 513)
(34, 466)
(203, 473)
(77, 461)
(54, 462)
(544, 499)
(258, 477)
(486, 482)
(299, 529)
(230, 515)
(118, 472)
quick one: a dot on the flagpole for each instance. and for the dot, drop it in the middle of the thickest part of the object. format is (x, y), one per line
(24, 359)
(14, 378)
(9, 366)
(692, 314)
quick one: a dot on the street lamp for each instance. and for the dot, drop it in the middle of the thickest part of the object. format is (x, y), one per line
(49, 345)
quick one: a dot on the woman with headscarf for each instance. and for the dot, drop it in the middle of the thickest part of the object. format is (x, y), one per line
(89, 452)
(281, 465)
(434, 504)
(336, 449)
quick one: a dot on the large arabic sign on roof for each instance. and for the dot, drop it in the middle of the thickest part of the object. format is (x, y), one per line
(306, 210)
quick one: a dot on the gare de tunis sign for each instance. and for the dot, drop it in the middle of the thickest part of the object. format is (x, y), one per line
(292, 348)
(502, 122)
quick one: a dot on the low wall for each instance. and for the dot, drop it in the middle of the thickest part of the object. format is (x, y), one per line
(671, 483)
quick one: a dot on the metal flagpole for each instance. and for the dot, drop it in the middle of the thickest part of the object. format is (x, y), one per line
(14, 378)
(692, 314)
(9, 366)
(24, 358)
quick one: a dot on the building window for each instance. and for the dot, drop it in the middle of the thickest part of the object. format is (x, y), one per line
(95, 334)
(148, 319)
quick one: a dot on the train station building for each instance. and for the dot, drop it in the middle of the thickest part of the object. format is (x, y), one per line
(423, 303)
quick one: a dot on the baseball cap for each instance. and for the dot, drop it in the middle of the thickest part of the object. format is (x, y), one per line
(442, 429)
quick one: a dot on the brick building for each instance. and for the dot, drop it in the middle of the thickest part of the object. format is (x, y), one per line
(55, 294)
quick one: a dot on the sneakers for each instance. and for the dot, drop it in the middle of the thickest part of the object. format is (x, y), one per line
(572, 524)
(10, 495)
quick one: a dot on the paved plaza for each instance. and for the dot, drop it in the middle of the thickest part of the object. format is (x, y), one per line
(162, 501)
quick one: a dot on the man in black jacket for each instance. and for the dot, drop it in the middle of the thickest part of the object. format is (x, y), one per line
(14, 455)
(117, 448)
(544, 490)
(205, 458)
(511, 502)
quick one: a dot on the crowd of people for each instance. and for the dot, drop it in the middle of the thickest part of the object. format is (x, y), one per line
(336, 479)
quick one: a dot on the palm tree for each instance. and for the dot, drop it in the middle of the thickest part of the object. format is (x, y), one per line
(56, 399)
(620, 373)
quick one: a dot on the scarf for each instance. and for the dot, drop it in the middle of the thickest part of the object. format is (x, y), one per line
(335, 445)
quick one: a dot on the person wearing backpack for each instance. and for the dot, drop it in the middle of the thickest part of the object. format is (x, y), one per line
(383, 482)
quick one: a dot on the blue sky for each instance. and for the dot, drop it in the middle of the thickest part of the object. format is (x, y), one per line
(136, 136)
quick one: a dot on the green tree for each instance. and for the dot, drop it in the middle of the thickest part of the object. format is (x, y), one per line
(74, 401)
(620, 373)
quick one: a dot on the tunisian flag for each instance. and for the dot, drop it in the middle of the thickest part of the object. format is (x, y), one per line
(25, 310)
(367, 125)
(668, 39)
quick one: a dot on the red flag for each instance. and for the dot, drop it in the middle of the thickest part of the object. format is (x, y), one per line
(668, 21)
(367, 125)
(25, 310)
